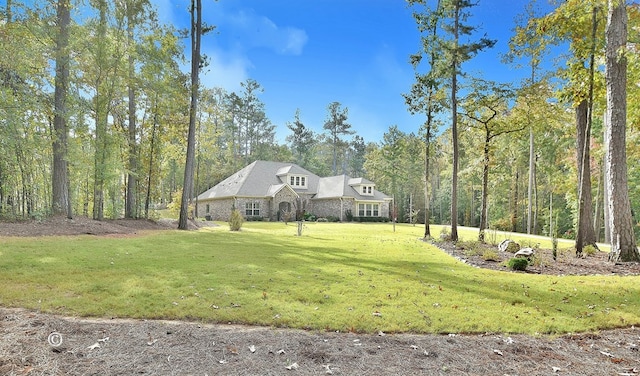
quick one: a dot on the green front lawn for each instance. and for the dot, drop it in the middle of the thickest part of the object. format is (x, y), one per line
(347, 277)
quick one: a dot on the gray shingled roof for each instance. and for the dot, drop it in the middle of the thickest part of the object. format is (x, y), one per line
(264, 179)
(257, 179)
(342, 186)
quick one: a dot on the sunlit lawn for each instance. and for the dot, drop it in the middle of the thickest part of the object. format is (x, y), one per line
(347, 277)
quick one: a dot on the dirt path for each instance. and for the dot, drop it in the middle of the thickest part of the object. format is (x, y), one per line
(127, 347)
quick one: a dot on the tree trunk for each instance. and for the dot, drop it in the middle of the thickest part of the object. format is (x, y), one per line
(584, 234)
(147, 200)
(454, 130)
(427, 227)
(597, 217)
(101, 117)
(514, 208)
(60, 175)
(187, 188)
(623, 244)
(530, 189)
(485, 191)
(130, 210)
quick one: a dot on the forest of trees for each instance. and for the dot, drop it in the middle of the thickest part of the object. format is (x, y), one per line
(95, 112)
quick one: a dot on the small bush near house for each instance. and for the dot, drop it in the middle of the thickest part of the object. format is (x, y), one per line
(235, 220)
(332, 218)
(310, 217)
(322, 220)
(349, 215)
(370, 219)
(518, 263)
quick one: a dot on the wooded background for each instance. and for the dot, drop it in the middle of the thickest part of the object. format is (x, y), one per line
(119, 120)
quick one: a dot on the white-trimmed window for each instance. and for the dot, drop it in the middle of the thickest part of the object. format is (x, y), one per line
(368, 210)
(252, 209)
(298, 181)
(366, 190)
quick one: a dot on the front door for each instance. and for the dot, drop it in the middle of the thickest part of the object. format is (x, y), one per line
(284, 207)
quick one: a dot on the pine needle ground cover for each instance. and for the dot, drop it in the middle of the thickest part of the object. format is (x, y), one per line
(345, 277)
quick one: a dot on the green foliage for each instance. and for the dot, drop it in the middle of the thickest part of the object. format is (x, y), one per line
(513, 247)
(370, 219)
(471, 248)
(589, 250)
(518, 263)
(490, 255)
(235, 220)
(445, 234)
(349, 215)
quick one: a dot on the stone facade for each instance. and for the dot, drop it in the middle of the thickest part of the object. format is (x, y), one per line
(270, 208)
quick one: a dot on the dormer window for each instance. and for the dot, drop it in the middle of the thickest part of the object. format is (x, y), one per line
(298, 181)
(366, 190)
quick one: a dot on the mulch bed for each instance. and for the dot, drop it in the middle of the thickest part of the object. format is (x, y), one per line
(34, 343)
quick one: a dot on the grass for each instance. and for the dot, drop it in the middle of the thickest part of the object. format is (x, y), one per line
(346, 277)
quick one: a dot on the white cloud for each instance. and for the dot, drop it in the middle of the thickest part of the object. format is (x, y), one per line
(225, 70)
(260, 31)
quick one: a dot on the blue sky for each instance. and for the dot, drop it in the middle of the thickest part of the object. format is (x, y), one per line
(308, 53)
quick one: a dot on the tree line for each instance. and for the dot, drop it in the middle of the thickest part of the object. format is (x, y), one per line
(96, 116)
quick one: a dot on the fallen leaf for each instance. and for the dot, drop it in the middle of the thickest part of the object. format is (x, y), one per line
(280, 352)
(105, 339)
(556, 369)
(328, 370)
(151, 343)
(222, 361)
(94, 346)
(378, 314)
(606, 354)
(252, 348)
(293, 366)
(498, 352)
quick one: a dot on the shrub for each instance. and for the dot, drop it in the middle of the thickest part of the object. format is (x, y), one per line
(310, 217)
(349, 215)
(518, 263)
(535, 260)
(471, 248)
(490, 255)
(256, 218)
(445, 234)
(513, 247)
(322, 220)
(589, 250)
(370, 219)
(332, 218)
(235, 220)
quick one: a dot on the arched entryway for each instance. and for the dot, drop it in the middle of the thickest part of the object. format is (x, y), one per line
(283, 207)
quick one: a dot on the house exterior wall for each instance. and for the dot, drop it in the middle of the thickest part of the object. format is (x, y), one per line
(285, 195)
(220, 210)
